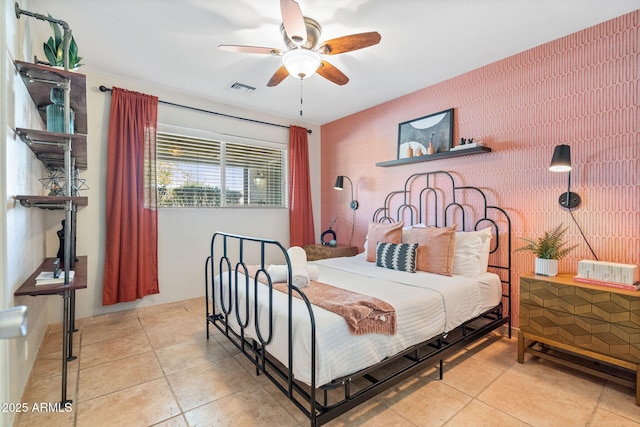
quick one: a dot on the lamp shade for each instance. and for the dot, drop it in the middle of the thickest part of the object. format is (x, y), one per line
(561, 160)
(339, 185)
(301, 63)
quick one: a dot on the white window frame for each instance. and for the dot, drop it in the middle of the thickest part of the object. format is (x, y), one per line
(231, 143)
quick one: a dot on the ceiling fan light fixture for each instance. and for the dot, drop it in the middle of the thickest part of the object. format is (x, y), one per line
(301, 63)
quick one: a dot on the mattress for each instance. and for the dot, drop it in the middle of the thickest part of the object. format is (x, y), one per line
(426, 305)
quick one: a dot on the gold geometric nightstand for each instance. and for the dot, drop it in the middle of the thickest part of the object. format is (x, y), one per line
(597, 323)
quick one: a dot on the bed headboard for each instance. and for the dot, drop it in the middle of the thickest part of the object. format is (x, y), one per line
(434, 199)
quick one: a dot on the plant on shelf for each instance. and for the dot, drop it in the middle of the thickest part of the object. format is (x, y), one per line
(54, 49)
(548, 249)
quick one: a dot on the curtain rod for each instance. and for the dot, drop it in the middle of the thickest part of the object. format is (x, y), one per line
(106, 89)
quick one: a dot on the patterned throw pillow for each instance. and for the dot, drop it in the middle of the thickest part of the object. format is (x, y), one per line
(397, 256)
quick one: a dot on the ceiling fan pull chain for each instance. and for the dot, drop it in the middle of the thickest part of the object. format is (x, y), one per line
(300, 97)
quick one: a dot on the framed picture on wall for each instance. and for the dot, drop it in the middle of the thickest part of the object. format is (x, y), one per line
(426, 135)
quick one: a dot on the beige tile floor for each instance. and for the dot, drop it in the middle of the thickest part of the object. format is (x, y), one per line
(154, 367)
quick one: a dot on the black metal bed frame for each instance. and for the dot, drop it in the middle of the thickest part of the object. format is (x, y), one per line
(322, 403)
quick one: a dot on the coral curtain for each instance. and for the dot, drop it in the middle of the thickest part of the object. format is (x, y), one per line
(300, 209)
(131, 264)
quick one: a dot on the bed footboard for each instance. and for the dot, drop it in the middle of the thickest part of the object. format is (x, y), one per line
(240, 321)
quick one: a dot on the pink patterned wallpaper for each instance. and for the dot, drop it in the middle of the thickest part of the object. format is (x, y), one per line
(581, 90)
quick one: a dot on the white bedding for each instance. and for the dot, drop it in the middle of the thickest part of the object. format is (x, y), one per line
(426, 305)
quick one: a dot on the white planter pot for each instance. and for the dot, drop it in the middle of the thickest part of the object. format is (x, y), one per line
(547, 267)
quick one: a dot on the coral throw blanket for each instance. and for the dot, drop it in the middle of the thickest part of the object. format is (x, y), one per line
(364, 314)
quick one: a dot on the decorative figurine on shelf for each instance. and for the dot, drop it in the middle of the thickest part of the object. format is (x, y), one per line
(329, 232)
(55, 182)
(463, 141)
(431, 150)
(60, 234)
(55, 112)
(409, 151)
(77, 183)
(60, 254)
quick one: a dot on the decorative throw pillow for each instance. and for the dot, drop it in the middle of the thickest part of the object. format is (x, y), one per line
(382, 232)
(471, 256)
(435, 250)
(397, 256)
(406, 232)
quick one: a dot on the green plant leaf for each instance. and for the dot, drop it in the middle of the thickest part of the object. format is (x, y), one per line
(57, 34)
(49, 52)
(60, 56)
(73, 47)
(550, 246)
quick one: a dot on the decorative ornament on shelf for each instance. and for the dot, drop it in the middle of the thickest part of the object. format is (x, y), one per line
(548, 249)
(60, 254)
(409, 151)
(55, 112)
(54, 49)
(467, 143)
(431, 149)
(77, 183)
(55, 182)
(329, 232)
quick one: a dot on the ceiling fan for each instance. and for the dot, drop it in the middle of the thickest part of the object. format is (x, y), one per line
(302, 58)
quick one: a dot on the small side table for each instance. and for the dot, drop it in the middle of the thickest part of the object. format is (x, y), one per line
(318, 251)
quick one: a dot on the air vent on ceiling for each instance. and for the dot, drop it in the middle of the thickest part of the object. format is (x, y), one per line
(240, 88)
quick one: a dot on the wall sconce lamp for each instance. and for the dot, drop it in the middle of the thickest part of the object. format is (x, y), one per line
(339, 185)
(561, 162)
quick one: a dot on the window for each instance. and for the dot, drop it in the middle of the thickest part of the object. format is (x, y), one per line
(204, 171)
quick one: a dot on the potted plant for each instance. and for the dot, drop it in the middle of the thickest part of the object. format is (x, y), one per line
(548, 249)
(54, 48)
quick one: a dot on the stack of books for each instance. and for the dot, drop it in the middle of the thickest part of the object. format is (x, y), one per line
(616, 275)
(467, 145)
(48, 278)
(631, 287)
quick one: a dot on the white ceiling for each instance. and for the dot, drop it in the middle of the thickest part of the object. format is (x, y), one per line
(173, 43)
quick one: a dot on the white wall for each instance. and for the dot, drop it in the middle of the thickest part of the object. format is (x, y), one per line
(5, 395)
(184, 234)
(22, 237)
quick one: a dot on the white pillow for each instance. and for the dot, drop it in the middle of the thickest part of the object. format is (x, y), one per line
(471, 255)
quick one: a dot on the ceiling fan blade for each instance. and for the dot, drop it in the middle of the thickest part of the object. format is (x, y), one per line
(250, 49)
(332, 74)
(293, 21)
(349, 43)
(278, 77)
